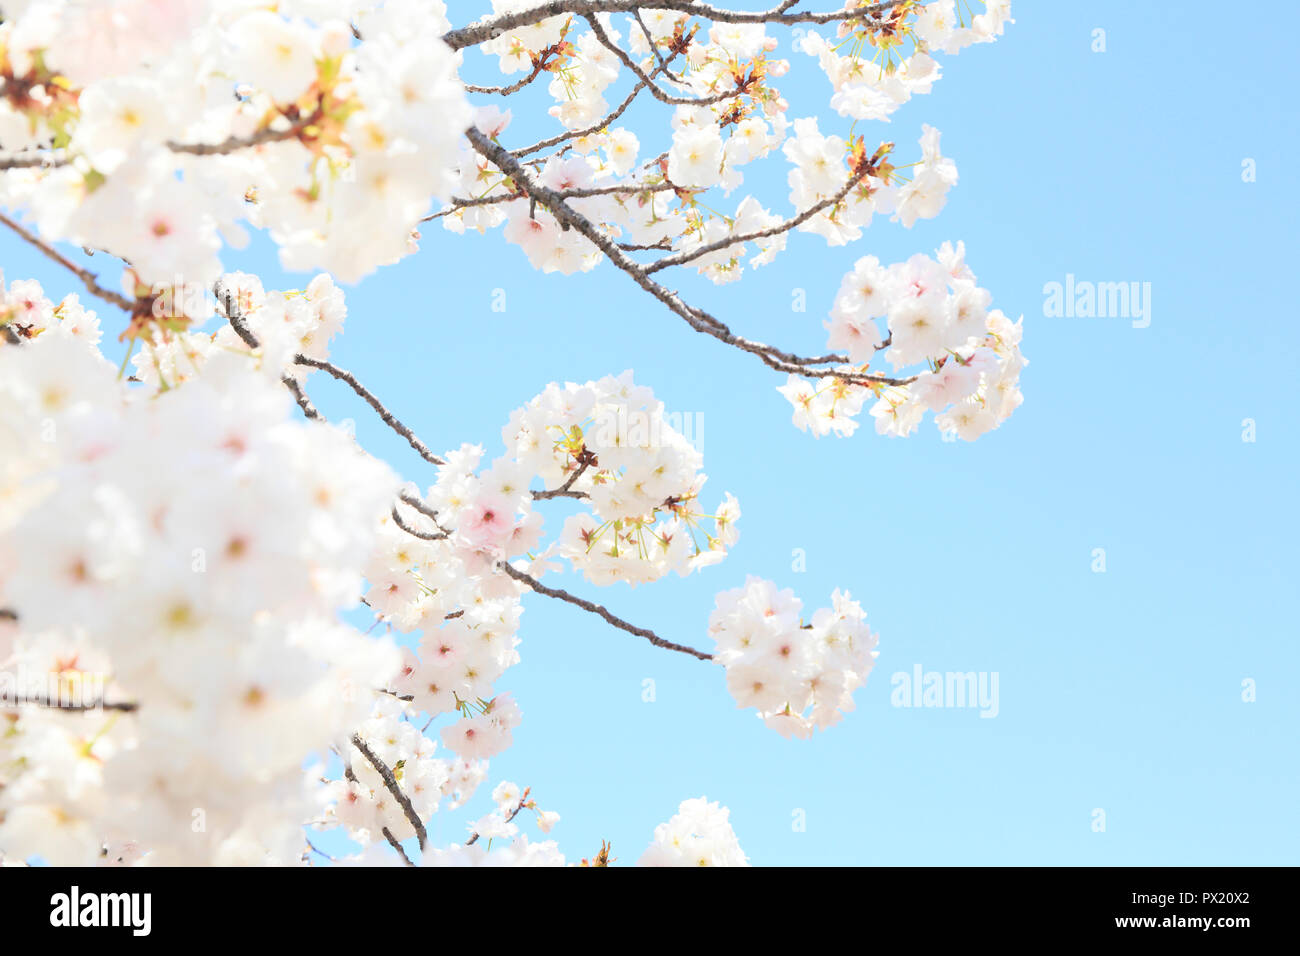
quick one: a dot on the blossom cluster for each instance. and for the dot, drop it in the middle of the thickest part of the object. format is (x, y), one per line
(361, 800)
(134, 577)
(799, 677)
(699, 834)
(284, 326)
(937, 317)
(181, 621)
(177, 546)
(334, 145)
(872, 89)
(610, 443)
(727, 114)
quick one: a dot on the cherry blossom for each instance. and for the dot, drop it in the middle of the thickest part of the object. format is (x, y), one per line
(935, 316)
(184, 537)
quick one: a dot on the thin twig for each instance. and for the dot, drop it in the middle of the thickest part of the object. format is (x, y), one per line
(312, 847)
(513, 87)
(32, 160)
(389, 418)
(784, 226)
(697, 318)
(415, 532)
(88, 278)
(392, 841)
(657, 93)
(565, 490)
(523, 802)
(530, 581)
(599, 124)
(125, 706)
(490, 27)
(300, 396)
(233, 144)
(631, 189)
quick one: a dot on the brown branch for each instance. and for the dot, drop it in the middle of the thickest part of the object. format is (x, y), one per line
(530, 581)
(630, 189)
(125, 706)
(515, 87)
(566, 490)
(491, 27)
(523, 802)
(389, 418)
(88, 278)
(421, 507)
(599, 124)
(32, 160)
(782, 227)
(394, 788)
(696, 318)
(657, 93)
(392, 841)
(240, 325)
(654, 48)
(233, 144)
(415, 532)
(663, 245)
(230, 144)
(300, 396)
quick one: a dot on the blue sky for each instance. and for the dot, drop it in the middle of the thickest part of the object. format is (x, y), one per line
(1119, 690)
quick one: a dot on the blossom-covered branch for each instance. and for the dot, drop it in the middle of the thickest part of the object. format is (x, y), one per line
(494, 26)
(697, 318)
(171, 527)
(390, 781)
(88, 278)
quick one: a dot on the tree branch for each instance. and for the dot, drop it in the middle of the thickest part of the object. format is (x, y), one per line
(523, 802)
(389, 418)
(530, 581)
(566, 490)
(696, 318)
(515, 87)
(231, 144)
(392, 841)
(657, 93)
(88, 278)
(125, 706)
(300, 396)
(32, 160)
(395, 789)
(491, 27)
(782, 227)
(234, 144)
(414, 532)
(421, 507)
(240, 325)
(630, 189)
(600, 124)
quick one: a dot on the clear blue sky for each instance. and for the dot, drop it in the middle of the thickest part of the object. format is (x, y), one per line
(1120, 690)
